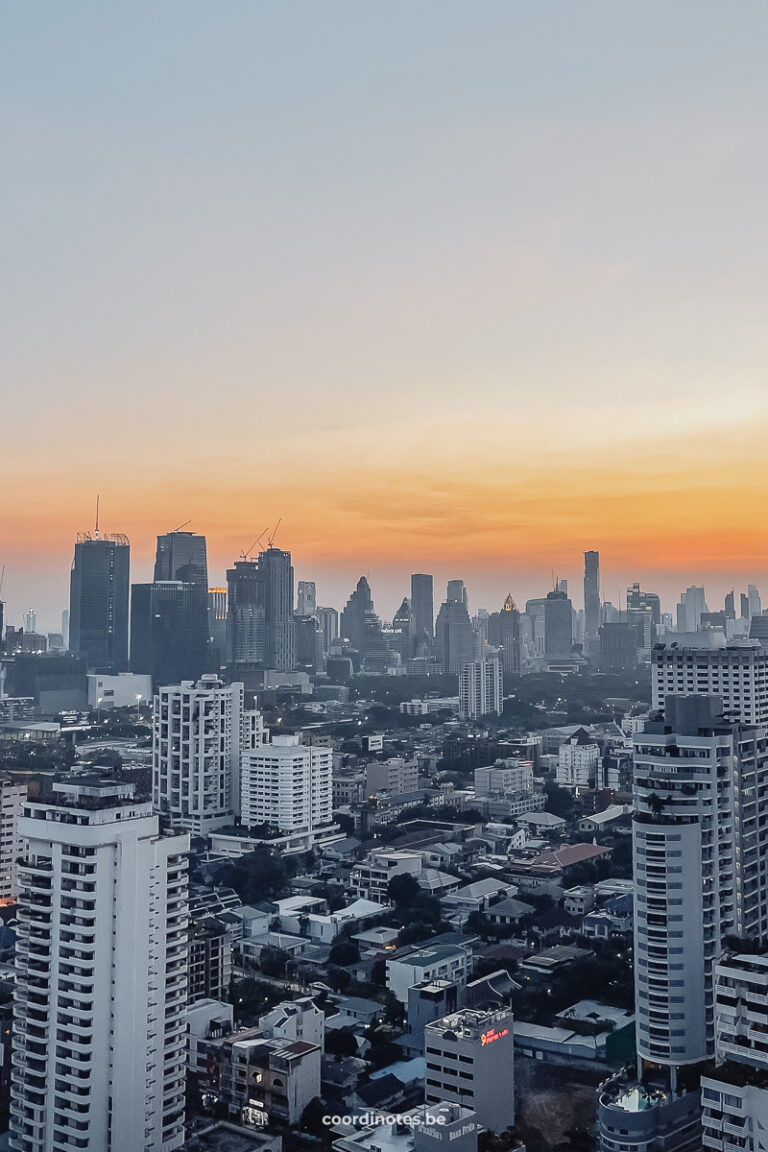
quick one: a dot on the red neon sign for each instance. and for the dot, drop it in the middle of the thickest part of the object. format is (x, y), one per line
(489, 1037)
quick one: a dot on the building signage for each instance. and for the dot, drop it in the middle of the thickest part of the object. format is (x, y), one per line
(491, 1035)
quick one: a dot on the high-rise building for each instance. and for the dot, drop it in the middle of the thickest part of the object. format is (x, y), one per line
(618, 647)
(200, 732)
(730, 605)
(307, 598)
(454, 638)
(639, 601)
(64, 625)
(753, 601)
(481, 689)
(503, 632)
(12, 797)
(698, 880)
(30, 620)
(470, 1061)
(591, 597)
(217, 624)
(288, 785)
(101, 983)
(558, 624)
(328, 619)
(736, 672)
(361, 627)
(279, 640)
(182, 556)
(169, 631)
(98, 602)
(690, 609)
(422, 605)
(246, 614)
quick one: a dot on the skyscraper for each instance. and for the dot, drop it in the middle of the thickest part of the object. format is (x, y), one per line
(98, 602)
(738, 673)
(454, 639)
(307, 598)
(246, 600)
(639, 601)
(558, 624)
(422, 604)
(101, 975)
(591, 597)
(504, 634)
(169, 631)
(279, 641)
(689, 610)
(200, 732)
(328, 619)
(181, 556)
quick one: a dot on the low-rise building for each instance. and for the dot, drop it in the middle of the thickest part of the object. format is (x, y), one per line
(370, 877)
(470, 1061)
(439, 961)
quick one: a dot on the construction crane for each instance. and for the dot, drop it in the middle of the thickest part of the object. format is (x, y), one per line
(245, 555)
(273, 537)
(180, 527)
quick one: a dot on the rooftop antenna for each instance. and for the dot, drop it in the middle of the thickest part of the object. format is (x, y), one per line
(273, 537)
(96, 534)
(180, 527)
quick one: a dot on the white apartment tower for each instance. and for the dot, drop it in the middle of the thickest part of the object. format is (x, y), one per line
(100, 1001)
(481, 689)
(736, 672)
(200, 732)
(698, 879)
(288, 785)
(12, 797)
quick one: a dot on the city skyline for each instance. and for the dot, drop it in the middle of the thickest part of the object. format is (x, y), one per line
(498, 291)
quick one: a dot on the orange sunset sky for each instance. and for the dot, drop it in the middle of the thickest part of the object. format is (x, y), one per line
(449, 290)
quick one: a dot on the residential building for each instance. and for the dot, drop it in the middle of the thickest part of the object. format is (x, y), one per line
(12, 798)
(287, 785)
(98, 601)
(199, 734)
(738, 673)
(395, 774)
(470, 1061)
(210, 960)
(481, 689)
(370, 877)
(578, 761)
(266, 1080)
(100, 1000)
(433, 962)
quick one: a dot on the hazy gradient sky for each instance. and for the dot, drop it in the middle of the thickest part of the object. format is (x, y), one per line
(453, 287)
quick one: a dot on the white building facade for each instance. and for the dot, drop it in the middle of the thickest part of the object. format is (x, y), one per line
(100, 999)
(736, 672)
(200, 733)
(12, 797)
(288, 785)
(481, 689)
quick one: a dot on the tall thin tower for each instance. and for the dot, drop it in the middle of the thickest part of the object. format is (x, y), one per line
(591, 596)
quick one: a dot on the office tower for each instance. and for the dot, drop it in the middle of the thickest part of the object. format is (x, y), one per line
(689, 610)
(457, 591)
(279, 641)
(481, 689)
(98, 602)
(638, 601)
(558, 624)
(736, 672)
(618, 648)
(217, 625)
(753, 601)
(181, 556)
(402, 630)
(307, 598)
(246, 614)
(30, 620)
(169, 631)
(504, 633)
(730, 605)
(306, 635)
(744, 603)
(361, 627)
(470, 1061)
(199, 734)
(100, 998)
(287, 785)
(734, 1095)
(454, 638)
(422, 605)
(12, 797)
(328, 619)
(591, 597)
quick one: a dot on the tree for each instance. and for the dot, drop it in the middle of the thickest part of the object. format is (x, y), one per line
(312, 1119)
(256, 876)
(341, 1042)
(252, 998)
(403, 889)
(339, 979)
(344, 952)
(272, 961)
(559, 801)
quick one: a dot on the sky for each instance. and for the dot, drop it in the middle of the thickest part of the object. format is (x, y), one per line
(446, 287)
